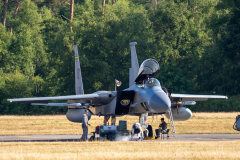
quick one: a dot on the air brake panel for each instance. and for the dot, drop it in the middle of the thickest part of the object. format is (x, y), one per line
(149, 68)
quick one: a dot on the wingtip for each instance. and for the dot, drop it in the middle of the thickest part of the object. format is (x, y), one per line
(226, 97)
(9, 100)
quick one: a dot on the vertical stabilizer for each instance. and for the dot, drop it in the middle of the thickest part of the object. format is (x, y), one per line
(78, 75)
(133, 72)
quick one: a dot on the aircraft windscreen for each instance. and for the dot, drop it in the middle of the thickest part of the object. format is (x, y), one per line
(151, 82)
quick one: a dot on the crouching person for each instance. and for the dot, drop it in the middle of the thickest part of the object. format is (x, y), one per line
(162, 128)
(85, 126)
(136, 129)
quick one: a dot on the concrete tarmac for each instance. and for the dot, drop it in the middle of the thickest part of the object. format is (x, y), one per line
(76, 138)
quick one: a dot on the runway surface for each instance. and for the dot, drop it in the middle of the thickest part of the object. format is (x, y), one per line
(76, 138)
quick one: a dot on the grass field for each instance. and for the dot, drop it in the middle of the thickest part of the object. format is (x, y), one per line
(120, 150)
(199, 123)
(39, 125)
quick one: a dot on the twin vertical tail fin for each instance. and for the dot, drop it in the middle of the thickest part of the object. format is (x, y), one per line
(78, 76)
(133, 72)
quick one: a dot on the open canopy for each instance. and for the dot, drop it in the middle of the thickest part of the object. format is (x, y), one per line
(148, 68)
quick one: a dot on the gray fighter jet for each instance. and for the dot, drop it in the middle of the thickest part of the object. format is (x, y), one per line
(144, 96)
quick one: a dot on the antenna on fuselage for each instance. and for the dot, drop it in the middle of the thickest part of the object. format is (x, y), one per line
(133, 71)
(78, 76)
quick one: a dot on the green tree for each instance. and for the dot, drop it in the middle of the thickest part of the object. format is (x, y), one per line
(222, 58)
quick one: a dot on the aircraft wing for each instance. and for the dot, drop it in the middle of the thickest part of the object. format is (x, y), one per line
(47, 99)
(191, 97)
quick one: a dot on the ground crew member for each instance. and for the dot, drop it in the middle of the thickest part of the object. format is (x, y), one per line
(137, 129)
(163, 125)
(85, 126)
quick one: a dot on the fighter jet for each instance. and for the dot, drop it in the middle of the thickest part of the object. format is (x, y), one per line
(144, 96)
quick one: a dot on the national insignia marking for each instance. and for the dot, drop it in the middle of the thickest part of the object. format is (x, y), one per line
(125, 102)
(76, 58)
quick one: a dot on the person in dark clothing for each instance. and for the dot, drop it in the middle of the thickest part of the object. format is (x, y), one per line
(163, 125)
(162, 128)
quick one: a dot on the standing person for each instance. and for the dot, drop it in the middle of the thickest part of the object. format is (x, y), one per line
(85, 126)
(163, 125)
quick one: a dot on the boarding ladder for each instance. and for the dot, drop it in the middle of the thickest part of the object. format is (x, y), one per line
(171, 119)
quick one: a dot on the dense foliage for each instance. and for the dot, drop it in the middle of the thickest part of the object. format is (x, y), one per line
(197, 44)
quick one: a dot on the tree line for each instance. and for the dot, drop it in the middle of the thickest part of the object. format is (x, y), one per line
(196, 43)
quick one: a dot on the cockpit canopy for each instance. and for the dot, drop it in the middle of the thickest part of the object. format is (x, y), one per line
(151, 82)
(148, 68)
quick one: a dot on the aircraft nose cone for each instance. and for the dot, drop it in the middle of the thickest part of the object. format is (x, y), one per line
(160, 102)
